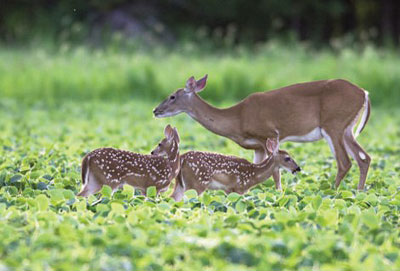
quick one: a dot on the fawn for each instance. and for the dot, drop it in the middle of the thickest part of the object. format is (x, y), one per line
(113, 167)
(202, 170)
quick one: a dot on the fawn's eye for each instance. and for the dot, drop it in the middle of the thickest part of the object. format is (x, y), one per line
(287, 159)
(159, 144)
(172, 97)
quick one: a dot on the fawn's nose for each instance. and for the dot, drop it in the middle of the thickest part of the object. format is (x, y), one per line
(152, 153)
(298, 169)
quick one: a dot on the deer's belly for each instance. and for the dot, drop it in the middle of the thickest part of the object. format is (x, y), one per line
(314, 135)
(222, 181)
(215, 185)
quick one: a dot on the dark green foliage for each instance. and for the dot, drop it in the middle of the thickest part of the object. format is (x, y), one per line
(308, 226)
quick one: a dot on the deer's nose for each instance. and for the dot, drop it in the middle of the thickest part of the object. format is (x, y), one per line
(152, 153)
(298, 169)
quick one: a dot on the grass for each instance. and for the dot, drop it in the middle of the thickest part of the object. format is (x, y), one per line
(308, 226)
(80, 73)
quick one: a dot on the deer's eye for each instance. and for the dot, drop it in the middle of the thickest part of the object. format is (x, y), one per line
(287, 159)
(159, 144)
(172, 97)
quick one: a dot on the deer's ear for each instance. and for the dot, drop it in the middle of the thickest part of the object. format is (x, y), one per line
(176, 135)
(191, 84)
(168, 131)
(272, 146)
(201, 84)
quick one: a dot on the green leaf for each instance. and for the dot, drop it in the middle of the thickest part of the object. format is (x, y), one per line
(15, 178)
(233, 197)
(240, 206)
(346, 195)
(68, 194)
(372, 199)
(206, 198)
(43, 202)
(128, 191)
(164, 206)
(56, 195)
(316, 202)
(369, 218)
(191, 193)
(282, 201)
(151, 192)
(117, 208)
(106, 191)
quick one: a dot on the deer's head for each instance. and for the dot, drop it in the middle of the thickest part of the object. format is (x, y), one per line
(179, 101)
(168, 144)
(281, 157)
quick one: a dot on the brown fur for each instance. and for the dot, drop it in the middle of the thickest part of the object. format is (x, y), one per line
(292, 111)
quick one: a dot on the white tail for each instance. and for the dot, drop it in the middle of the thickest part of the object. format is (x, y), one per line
(302, 112)
(364, 116)
(108, 166)
(202, 170)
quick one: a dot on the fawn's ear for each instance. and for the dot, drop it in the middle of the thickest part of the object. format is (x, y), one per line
(272, 146)
(176, 135)
(168, 131)
(196, 86)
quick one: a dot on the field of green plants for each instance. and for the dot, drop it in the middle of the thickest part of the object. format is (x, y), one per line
(56, 107)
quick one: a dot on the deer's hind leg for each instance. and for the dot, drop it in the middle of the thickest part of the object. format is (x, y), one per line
(336, 142)
(91, 186)
(179, 188)
(357, 152)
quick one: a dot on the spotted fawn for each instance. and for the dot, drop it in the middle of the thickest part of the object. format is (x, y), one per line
(113, 167)
(202, 170)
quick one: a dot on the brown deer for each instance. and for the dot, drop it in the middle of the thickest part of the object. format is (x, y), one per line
(113, 167)
(204, 170)
(303, 112)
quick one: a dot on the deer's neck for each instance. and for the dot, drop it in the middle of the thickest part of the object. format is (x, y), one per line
(224, 122)
(174, 159)
(263, 170)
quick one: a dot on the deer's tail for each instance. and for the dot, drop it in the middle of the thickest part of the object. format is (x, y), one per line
(365, 115)
(85, 169)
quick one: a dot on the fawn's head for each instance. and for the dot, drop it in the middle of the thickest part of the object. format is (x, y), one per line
(178, 101)
(169, 144)
(281, 157)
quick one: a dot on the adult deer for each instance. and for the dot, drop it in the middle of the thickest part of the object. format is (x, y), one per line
(108, 166)
(303, 112)
(204, 170)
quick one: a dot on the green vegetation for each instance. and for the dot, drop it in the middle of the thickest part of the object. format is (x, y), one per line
(33, 75)
(309, 226)
(55, 108)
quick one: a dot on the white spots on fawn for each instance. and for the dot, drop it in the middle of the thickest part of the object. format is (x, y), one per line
(118, 165)
(362, 155)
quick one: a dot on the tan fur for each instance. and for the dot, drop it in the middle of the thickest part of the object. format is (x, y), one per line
(292, 111)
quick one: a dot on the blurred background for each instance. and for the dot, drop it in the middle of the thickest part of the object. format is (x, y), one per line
(115, 49)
